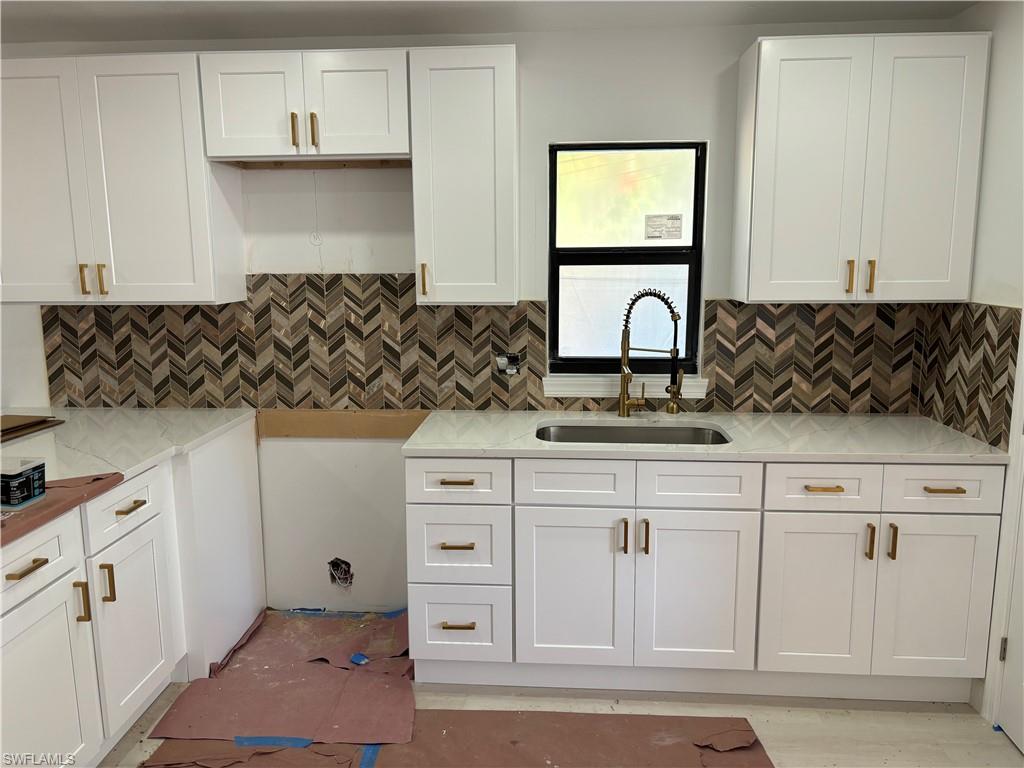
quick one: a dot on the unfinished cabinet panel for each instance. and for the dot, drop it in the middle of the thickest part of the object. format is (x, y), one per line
(253, 103)
(696, 588)
(357, 102)
(464, 169)
(817, 592)
(923, 164)
(46, 230)
(574, 585)
(935, 581)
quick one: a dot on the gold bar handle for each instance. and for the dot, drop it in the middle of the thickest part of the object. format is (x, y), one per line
(851, 272)
(111, 596)
(647, 536)
(423, 278)
(134, 506)
(872, 531)
(625, 535)
(295, 129)
(459, 547)
(99, 279)
(86, 604)
(83, 283)
(444, 481)
(824, 489)
(958, 491)
(894, 535)
(314, 129)
(470, 625)
(872, 270)
(35, 565)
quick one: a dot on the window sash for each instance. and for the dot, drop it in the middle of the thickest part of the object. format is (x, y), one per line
(689, 256)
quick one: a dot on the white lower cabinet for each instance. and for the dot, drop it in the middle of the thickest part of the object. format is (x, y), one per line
(696, 588)
(49, 700)
(131, 615)
(817, 592)
(574, 585)
(889, 594)
(934, 596)
(460, 621)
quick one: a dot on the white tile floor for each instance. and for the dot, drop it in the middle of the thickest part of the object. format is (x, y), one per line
(798, 733)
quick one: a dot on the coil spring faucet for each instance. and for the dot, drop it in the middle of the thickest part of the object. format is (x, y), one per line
(628, 404)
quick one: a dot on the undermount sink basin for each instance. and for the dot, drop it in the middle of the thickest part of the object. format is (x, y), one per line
(631, 433)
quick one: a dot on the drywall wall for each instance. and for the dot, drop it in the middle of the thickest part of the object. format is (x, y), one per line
(351, 220)
(999, 245)
(22, 360)
(333, 500)
(576, 85)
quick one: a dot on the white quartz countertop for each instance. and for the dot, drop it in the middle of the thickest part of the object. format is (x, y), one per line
(754, 437)
(95, 441)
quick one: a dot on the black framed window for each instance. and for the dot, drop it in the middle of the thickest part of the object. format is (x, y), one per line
(623, 216)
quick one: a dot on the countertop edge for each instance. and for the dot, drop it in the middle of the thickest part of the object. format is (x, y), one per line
(753, 457)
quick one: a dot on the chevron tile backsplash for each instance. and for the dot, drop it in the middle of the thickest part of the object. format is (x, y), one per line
(361, 341)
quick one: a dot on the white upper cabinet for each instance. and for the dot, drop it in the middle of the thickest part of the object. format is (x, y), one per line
(857, 167)
(358, 102)
(46, 233)
(253, 103)
(923, 163)
(282, 103)
(108, 196)
(162, 219)
(463, 122)
(808, 173)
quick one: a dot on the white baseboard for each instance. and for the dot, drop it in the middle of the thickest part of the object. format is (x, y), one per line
(876, 687)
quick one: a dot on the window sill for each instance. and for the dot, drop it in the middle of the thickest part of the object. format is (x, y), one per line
(607, 385)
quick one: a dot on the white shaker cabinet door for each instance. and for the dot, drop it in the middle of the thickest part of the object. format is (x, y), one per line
(357, 102)
(464, 167)
(46, 232)
(696, 588)
(812, 119)
(923, 162)
(48, 674)
(817, 592)
(574, 585)
(253, 103)
(935, 581)
(132, 614)
(147, 178)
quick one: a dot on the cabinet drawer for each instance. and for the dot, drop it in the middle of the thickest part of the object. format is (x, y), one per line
(942, 488)
(459, 622)
(459, 544)
(126, 507)
(458, 481)
(823, 487)
(39, 557)
(698, 485)
(600, 483)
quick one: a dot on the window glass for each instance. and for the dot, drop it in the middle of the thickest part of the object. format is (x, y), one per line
(625, 198)
(592, 301)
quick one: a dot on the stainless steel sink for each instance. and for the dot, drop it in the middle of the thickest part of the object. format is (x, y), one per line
(631, 433)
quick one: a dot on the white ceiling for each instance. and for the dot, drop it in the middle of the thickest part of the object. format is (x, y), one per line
(111, 20)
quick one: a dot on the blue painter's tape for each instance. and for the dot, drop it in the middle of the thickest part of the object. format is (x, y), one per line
(997, 728)
(359, 658)
(369, 758)
(272, 741)
(393, 614)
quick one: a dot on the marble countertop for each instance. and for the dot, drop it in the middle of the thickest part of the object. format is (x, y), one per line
(755, 437)
(94, 441)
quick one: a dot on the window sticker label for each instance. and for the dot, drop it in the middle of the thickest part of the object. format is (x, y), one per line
(663, 226)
